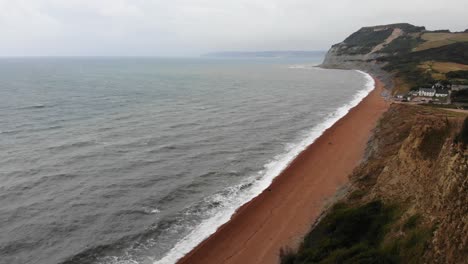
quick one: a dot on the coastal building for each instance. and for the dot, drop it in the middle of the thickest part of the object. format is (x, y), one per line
(441, 93)
(427, 92)
(438, 86)
(413, 93)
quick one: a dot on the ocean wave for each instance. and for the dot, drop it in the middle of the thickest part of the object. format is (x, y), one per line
(230, 199)
(35, 106)
(305, 66)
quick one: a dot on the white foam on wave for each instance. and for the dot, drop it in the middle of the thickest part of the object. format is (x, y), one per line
(305, 66)
(239, 195)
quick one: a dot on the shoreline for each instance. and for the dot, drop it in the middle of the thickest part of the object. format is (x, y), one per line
(286, 210)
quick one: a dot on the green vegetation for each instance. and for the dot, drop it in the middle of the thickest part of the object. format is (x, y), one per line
(460, 96)
(414, 76)
(438, 39)
(407, 67)
(457, 75)
(364, 40)
(462, 137)
(356, 234)
(410, 248)
(412, 222)
(403, 44)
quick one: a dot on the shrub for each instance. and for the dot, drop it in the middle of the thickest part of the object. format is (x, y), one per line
(457, 75)
(462, 136)
(346, 235)
(412, 222)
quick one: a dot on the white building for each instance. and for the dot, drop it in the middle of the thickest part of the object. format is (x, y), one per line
(438, 86)
(428, 92)
(441, 93)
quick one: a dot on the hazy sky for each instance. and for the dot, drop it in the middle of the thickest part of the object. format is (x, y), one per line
(191, 27)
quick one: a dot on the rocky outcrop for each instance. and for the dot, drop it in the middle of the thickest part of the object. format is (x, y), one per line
(412, 160)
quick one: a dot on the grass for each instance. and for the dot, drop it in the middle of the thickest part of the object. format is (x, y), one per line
(347, 234)
(412, 222)
(409, 248)
(435, 40)
(402, 44)
(439, 70)
(460, 96)
(357, 234)
(401, 86)
(445, 67)
(407, 67)
(462, 136)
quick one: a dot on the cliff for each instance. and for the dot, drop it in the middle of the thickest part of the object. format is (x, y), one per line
(407, 201)
(402, 55)
(416, 162)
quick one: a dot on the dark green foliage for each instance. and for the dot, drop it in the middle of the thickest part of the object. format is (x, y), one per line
(412, 222)
(355, 234)
(457, 75)
(287, 256)
(460, 96)
(406, 65)
(411, 73)
(403, 44)
(456, 52)
(358, 194)
(441, 31)
(411, 247)
(365, 39)
(462, 137)
(347, 235)
(368, 37)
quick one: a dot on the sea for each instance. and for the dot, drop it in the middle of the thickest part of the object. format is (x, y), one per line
(109, 160)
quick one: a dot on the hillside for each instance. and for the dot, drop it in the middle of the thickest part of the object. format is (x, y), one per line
(400, 55)
(407, 202)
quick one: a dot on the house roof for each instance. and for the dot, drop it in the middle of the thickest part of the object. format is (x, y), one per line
(441, 91)
(427, 90)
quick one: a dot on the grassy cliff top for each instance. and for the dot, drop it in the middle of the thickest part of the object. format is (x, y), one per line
(409, 52)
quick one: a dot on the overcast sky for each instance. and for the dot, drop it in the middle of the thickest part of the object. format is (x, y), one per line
(191, 27)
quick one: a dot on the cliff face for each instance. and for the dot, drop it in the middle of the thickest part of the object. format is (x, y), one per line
(402, 55)
(413, 161)
(362, 49)
(370, 43)
(407, 201)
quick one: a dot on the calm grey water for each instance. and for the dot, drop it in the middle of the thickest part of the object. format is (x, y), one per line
(129, 160)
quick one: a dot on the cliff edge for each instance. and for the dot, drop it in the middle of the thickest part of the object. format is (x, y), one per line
(402, 55)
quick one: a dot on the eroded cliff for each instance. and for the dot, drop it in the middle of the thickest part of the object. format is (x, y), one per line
(407, 200)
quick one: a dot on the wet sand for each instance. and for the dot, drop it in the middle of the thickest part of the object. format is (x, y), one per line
(284, 213)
